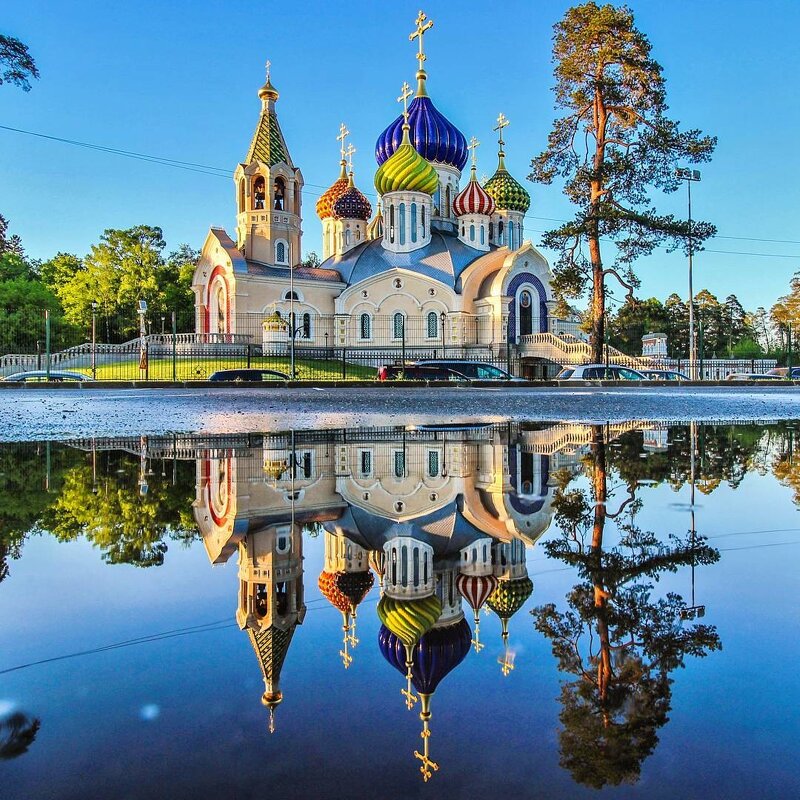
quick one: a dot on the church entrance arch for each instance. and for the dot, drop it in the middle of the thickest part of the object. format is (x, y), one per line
(528, 306)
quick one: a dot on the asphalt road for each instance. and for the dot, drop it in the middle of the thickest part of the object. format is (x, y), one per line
(57, 414)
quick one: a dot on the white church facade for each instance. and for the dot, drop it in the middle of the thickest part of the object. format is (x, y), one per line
(442, 259)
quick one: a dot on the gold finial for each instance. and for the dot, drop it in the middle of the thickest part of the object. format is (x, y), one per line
(411, 698)
(343, 134)
(506, 660)
(349, 156)
(502, 122)
(419, 33)
(347, 659)
(425, 735)
(473, 146)
(268, 67)
(477, 640)
(272, 710)
(405, 93)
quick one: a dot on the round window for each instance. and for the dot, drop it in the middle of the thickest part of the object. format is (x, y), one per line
(525, 299)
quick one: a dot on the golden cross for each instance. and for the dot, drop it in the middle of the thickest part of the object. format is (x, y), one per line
(477, 640)
(424, 756)
(502, 122)
(404, 95)
(348, 154)
(506, 662)
(411, 698)
(268, 65)
(422, 26)
(343, 134)
(473, 145)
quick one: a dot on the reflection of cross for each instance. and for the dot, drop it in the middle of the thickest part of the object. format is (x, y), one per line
(348, 154)
(268, 65)
(410, 697)
(424, 756)
(404, 95)
(473, 145)
(343, 134)
(422, 26)
(506, 661)
(477, 640)
(502, 122)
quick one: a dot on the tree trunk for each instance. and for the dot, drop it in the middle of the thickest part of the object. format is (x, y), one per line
(598, 300)
(593, 228)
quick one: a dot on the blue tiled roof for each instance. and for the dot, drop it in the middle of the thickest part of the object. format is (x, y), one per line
(443, 259)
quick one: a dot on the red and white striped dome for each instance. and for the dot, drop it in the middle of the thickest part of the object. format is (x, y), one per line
(473, 199)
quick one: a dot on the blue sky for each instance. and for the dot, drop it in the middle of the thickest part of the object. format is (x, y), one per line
(179, 80)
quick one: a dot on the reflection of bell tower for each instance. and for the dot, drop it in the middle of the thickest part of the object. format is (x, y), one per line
(271, 603)
(268, 192)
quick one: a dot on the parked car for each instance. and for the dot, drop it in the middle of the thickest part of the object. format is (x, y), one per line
(600, 372)
(248, 375)
(754, 376)
(40, 376)
(450, 369)
(419, 372)
(663, 375)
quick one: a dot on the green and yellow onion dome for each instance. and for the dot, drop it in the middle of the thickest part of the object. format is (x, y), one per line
(352, 204)
(332, 194)
(507, 193)
(410, 619)
(510, 596)
(406, 171)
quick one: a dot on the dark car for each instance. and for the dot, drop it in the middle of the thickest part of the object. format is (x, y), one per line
(663, 375)
(248, 375)
(448, 369)
(40, 376)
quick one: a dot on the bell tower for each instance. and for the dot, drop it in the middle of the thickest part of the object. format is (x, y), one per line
(269, 192)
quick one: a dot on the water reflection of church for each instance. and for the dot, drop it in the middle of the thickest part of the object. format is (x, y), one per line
(434, 516)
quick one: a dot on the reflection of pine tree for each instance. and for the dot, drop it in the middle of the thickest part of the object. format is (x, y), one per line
(620, 641)
(17, 734)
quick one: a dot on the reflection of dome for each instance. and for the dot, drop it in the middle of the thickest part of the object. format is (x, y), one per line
(406, 170)
(473, 199)
(510, 596)
(508, 194)
(434, 137)
(351, 204)
(439, 652)
(332, 593)
(476, 589)
(408, 620)
(332, 194)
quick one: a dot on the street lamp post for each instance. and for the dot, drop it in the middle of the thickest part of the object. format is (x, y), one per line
(443, 320)
(94, 340)
(690, 176)
(143, 359)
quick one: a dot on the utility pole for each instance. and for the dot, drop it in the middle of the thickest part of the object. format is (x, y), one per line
(690, 176)
(291, 313)
(94, 341)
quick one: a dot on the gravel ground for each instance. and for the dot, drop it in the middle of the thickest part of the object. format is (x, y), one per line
(48, 414)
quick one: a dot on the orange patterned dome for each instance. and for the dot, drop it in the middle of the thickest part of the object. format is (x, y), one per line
(331, 195)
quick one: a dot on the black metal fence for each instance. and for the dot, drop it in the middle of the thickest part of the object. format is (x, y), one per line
(324, 347)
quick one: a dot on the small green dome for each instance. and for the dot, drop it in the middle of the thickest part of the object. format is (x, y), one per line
(507, 193)
(510, 596)
(409, 620)
(406, 170)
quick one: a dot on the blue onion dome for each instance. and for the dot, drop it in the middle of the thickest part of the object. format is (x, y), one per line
(507, 193)
(352, 204)
(333, 193)
(406, 170)
(432, 134)
(438, 653)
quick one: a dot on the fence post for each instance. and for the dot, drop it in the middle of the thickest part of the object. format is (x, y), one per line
(403, 342)
(344, 364)
(47, 341)
(174, 348)
(249, 355)
(508, 355)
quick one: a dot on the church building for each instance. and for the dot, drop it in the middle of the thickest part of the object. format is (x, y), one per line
(441, 258)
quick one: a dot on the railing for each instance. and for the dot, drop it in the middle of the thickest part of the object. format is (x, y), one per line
(572, 351)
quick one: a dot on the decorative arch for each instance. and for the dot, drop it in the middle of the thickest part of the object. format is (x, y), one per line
(518, 281)
(217, 280)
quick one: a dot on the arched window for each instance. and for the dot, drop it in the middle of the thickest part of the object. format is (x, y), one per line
(398, 325)
(483, 234)
(347, 238)
(306, 328)
(447, 201)
(433, 463)
(491, 231)
(222, 309)
(399, 464)
(241, 195)
(279, 190)
(391, 223)
(402, 222)
(365, 327)
(463, 230)
(280, 253)
(259, 192)
(500, 232)
(290, 296)
(433, 324)
(437, 202)
(413, 222)
(472, 233)
(423, 222)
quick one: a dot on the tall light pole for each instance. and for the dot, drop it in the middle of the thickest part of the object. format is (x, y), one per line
(690, 176)
(291, 314)
(94, 340)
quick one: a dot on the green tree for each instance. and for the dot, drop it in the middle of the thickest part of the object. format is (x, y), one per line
(678, 326)
(613, 145)
(16, 63)
(710, 316)
(59, 270)
(633, 320)
(175, 286)
(311, 260)
(17, 733)
(9, 244)
(619, 641)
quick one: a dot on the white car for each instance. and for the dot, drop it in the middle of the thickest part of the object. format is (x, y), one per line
(600, 372)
